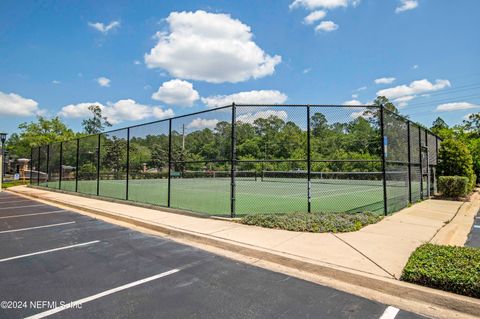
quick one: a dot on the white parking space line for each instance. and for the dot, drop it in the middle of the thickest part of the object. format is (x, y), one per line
(49, 251)
(390, 313)
(34, 214)
(74, 304)
(36, 205)
(36, 227)
(476, 226)
(15, 201)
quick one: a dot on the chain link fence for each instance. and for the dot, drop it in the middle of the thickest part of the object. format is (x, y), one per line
(247, 159)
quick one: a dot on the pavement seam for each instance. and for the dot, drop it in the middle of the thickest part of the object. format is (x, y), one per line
(364, 255)
(446, 223)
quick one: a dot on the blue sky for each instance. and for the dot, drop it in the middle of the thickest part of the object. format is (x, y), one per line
(147, 60)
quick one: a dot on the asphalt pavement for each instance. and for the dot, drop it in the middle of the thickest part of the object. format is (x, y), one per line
(61, 264)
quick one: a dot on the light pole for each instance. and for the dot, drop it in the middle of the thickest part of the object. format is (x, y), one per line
(3, 138)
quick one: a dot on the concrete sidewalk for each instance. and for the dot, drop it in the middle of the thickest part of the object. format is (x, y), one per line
(381, 249)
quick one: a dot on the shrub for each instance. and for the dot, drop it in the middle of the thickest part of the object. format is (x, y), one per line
(453, 186)
(454, 269)
(456, 160)
(313, 222)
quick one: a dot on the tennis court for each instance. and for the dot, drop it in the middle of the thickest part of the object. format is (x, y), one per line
(267, 193)
(357, 158)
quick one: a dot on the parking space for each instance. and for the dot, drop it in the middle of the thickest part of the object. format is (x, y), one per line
(50, 257)
(474, 236)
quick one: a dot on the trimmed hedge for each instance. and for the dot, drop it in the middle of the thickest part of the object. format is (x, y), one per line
(449, 268)
(453, 186)
(313, 222)
(454, 159)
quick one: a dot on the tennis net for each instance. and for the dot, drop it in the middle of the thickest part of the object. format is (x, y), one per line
(399, 179)
(239, 175)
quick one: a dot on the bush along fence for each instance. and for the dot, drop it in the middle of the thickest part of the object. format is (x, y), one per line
(246, 159)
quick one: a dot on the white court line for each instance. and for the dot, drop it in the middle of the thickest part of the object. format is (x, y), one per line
(74, 304)
(476, 226)
(25, 215)
(49, 251)
(37, 227)
(390, 313)
(24, 206)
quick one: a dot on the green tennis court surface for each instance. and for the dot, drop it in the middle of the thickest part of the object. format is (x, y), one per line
(212, 195)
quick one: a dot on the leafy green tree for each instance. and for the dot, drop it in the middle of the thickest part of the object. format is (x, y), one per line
(36, 133)
(382, 100)
(97, 123)
(455, 160)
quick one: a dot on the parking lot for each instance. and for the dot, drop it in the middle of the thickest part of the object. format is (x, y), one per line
(62, 264)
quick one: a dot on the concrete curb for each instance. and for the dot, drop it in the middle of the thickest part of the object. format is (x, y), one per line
(392, 287)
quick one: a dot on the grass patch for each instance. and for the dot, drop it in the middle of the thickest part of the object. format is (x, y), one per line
(15, 183)
(449, 268)
(313, 222)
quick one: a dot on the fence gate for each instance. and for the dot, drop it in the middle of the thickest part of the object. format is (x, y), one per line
(425, 172)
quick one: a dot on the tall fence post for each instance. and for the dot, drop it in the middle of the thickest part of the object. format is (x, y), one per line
(60, 172)
(309, 163)
(31, 166)
(76, 165)
(420, 150)
(169, 160)
(384, 172)
(48, 165)
(38, 168)
(233, 162)
(409, 164)
(98, 165)
(428, 164)
(128, 164)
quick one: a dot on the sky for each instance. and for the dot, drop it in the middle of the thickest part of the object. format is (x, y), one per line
(147, 60)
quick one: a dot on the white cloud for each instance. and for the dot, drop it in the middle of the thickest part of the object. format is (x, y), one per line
(455, 106)
(122, 110)
(136, 62)
(406, 5)
(363, 88)
(384, 80)
(415, 67)
(314, 16)
(403, 101)
(56, 82)
(103, 81)
(316, 4)
(176, 92)
(352, 102)
(104, 28)
(200, 123)
(160, 113)
(307, 70)
(354, 96)
(16, 105)
(326, 26)
(209, 47)
(249, 97)
(414, 88)
(251, 117)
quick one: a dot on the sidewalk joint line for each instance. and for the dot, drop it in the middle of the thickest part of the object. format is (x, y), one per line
(371, 260)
